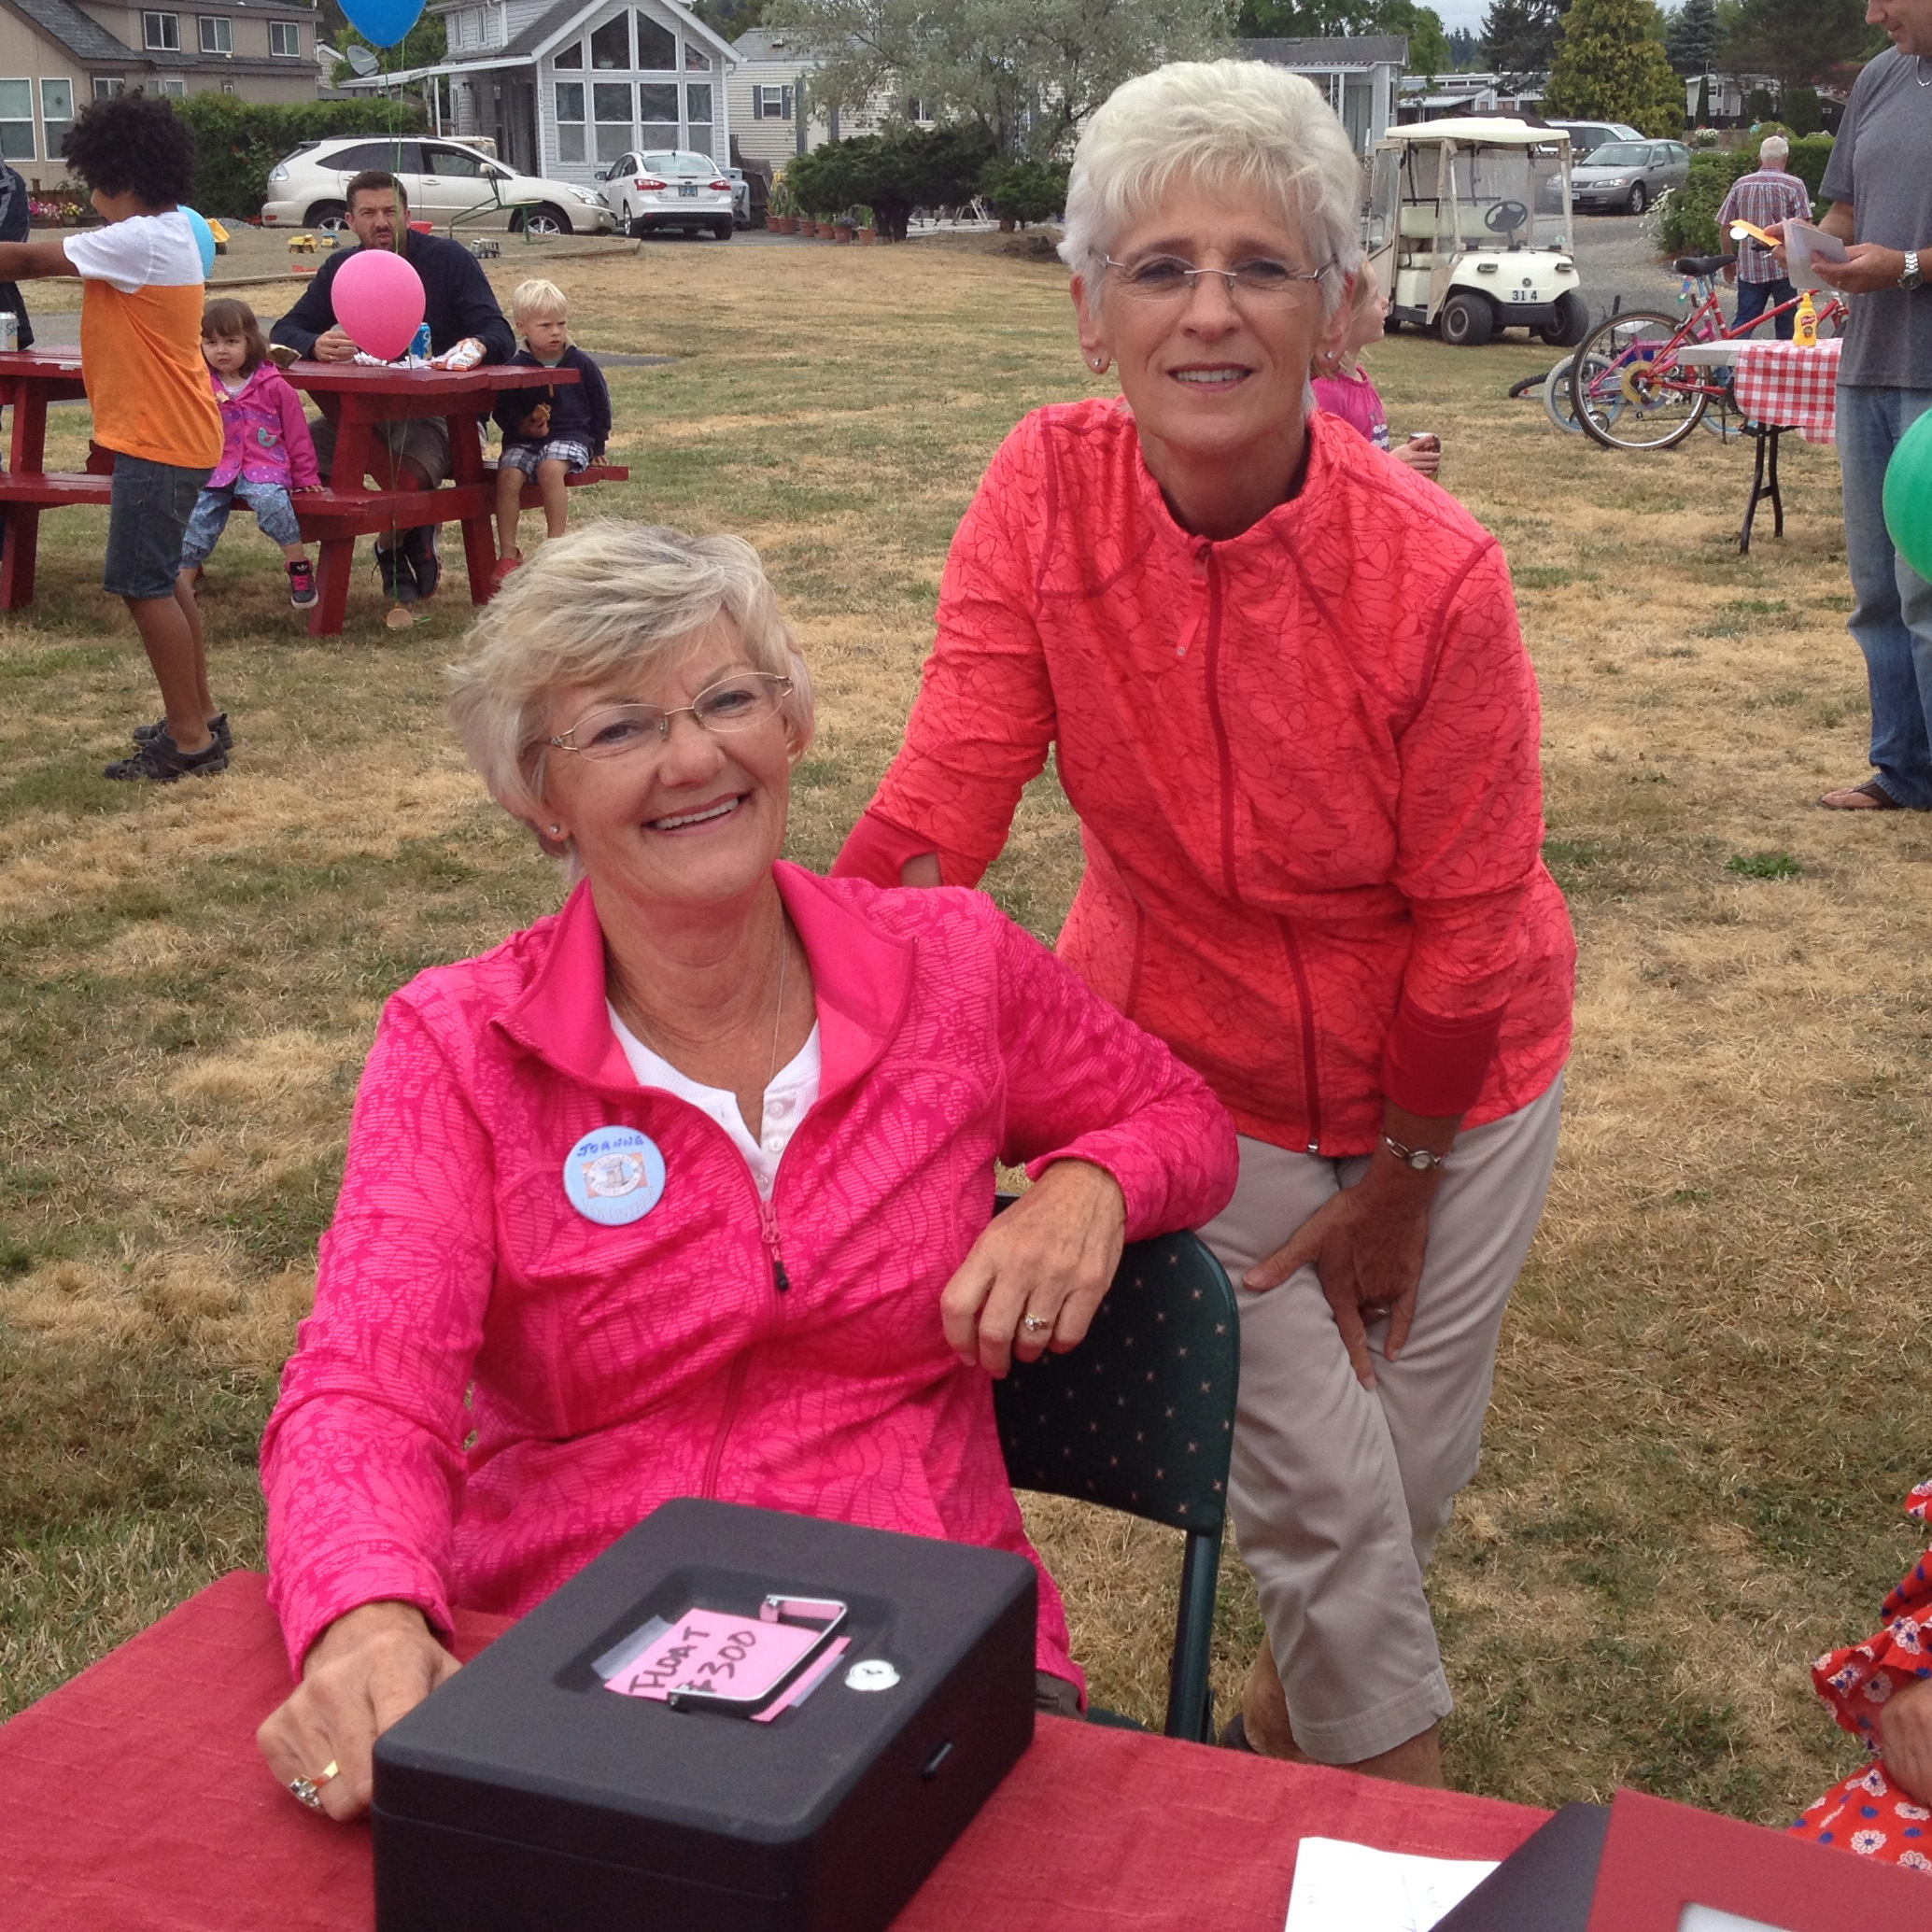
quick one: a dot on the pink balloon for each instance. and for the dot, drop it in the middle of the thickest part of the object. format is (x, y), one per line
(378, 301)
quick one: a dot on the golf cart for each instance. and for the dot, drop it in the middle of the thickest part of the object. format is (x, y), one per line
(1455, 237)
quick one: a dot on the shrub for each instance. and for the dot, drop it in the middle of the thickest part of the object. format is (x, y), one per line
(891, 174)
(240, 141)
(1024, 191)
(1803, 112)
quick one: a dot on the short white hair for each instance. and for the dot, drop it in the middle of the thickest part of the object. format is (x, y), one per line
(1774, 148)
(1234, 124)
(610, 599)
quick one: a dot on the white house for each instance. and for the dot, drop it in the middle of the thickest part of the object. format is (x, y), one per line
(771, 119)
(564, 90)
(1358, 73)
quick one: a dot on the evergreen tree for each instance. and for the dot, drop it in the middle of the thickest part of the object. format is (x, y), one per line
(1519, 37)
(1611, 65)
(1796, 40)
(1463, 50)
(1692, 35)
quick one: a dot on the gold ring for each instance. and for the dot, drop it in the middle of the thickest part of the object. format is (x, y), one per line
(1035, 1324)
(308, 1791)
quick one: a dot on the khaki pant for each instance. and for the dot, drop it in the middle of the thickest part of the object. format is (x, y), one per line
(1339, 1492)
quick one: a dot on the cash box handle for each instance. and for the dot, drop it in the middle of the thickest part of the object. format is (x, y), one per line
(827, 1612)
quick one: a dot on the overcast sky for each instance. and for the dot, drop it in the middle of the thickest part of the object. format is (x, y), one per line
(1462, 13)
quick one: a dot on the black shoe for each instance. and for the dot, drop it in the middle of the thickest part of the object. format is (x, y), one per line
(162, 761)
(147, 734)
(398, 578)
(419, 547)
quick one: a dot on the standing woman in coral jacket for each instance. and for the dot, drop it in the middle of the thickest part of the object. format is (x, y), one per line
(1291, 706)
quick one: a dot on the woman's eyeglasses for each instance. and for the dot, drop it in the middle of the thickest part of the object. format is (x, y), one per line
(737, 703)
(1169, 279)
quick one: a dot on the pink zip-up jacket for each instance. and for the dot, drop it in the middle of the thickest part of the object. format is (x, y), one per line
(265, 436)
(1306, 763)
(492, 1388)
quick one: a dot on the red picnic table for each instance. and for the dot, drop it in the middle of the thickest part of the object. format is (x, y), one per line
(132, 1799)
(359, 397)
(30, 379)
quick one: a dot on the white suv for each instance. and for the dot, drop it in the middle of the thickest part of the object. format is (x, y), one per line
(664, 189)
(444, 181)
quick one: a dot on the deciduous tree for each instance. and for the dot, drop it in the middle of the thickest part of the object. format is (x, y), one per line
(1797, 41)
(1611, 65)
(1027, 72)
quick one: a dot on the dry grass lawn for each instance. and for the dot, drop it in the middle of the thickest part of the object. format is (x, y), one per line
(1710, 1397)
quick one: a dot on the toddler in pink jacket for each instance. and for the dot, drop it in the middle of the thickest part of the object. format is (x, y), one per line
(266, 454)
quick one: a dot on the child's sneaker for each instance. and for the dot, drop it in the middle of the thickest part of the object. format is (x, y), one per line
(147, 734)
(161, 760)
(302, 584)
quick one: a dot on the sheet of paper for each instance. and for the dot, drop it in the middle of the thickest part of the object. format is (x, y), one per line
(1345, 1887)
(708, 1650)
(1707, 1918)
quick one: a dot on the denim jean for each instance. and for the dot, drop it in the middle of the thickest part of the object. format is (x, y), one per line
(275, 517)
(1892, 615)
(1754, 298)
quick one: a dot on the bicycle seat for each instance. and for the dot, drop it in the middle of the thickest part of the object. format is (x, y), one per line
(1703, 265)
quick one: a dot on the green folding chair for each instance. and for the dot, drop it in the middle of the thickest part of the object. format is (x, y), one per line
(1140, 1418)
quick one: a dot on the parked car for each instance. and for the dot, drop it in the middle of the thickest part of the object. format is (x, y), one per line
(741, 198)
(662, 189)
(445, 181)
(1586, 137)
(1626, 177)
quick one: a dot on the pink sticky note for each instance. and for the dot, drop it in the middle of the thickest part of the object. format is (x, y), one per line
(716, 1650)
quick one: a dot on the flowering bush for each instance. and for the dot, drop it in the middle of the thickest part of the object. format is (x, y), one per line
(61, 208)
(1704, 137)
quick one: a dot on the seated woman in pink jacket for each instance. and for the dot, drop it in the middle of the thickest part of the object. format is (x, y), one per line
(686, 1189)
(1282, 682)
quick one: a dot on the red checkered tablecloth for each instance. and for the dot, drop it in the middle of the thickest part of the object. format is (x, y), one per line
(1778, 382)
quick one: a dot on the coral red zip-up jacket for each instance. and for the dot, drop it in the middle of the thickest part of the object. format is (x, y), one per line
(493, 1387)
(1304, 761)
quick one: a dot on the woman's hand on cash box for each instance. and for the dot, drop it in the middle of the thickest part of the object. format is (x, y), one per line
(369, 1668)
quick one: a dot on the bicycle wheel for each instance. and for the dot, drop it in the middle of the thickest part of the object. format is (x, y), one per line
(1626, 391)
(1556, 402)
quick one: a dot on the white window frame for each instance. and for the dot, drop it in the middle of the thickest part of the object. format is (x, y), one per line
(49, 122)
(172, 90)
(291, 31)
(216, 27)
(26, 121)
(766, 108)
(161, 24)
(580, 126)
(108, 87)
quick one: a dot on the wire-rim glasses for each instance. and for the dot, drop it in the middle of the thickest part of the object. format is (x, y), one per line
(740, 702)
(1169, 278)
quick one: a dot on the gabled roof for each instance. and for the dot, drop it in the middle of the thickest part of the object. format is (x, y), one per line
(1335, 50)
(84, 39)
(766, 44)
(535, 41)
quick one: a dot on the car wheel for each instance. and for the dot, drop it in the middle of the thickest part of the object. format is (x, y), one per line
(724, 230)
(328, 214)
(1571, 322)
(1468, 321)
(1639, 201)
(626, 225)
(545, 218)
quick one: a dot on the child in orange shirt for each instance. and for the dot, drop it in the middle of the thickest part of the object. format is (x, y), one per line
(141, 358)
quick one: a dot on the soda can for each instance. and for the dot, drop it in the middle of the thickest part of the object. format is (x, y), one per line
(9, 330)
(419, 342)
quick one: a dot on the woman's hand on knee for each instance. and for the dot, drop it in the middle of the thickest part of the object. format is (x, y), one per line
(1035, 1277)
(364, 1671)
(1905, 1734)
(1367, 1248)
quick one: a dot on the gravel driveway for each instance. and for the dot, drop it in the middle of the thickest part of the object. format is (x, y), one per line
(1616, 256)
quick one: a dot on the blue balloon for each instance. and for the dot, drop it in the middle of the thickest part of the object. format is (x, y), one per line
(204, 240)
(383, 23)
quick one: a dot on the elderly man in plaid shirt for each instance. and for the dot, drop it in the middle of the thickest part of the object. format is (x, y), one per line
(1765, 197)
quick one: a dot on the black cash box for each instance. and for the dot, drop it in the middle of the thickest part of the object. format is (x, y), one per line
(526, 1795)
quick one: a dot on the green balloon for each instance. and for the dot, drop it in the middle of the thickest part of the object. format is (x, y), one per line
(1909, 496)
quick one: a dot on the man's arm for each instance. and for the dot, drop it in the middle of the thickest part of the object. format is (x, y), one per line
(24, 261)
(313, 314)
(1868, 267)
(472, 307)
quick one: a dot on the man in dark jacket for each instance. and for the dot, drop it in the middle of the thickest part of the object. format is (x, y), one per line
(16, 219)
(458, 307)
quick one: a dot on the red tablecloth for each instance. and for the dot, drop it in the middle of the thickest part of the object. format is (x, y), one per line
(132, 1800)
(1778, 382)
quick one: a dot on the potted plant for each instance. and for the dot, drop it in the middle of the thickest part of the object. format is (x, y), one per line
(868, 226)
(781, 210)
(844, 227)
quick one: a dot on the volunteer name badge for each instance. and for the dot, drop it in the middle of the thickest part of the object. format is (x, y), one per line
(613, 1176)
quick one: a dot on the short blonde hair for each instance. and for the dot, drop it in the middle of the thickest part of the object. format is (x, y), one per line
(1242, 125)
(535, 299)
(610, 599)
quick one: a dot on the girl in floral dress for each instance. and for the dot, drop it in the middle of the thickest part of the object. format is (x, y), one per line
(1881, 1689)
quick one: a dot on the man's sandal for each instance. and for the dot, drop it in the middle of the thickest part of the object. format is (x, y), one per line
(1880, 799)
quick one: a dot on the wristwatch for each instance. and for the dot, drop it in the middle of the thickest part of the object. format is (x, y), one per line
(1417, 1158)
(1911, 277)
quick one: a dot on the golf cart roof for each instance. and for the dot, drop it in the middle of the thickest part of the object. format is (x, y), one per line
(1471, 127)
